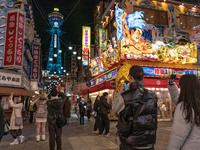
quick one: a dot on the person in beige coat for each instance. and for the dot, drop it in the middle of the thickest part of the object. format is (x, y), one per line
(16, 131)
(185, 134)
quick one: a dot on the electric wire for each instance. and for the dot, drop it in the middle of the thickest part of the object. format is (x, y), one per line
(71, 11)
(40, 12)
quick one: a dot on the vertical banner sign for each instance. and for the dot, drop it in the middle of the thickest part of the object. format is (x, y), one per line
(20, 39)
(36, 61)
(86, 40)
(102, 40)
(14, 43)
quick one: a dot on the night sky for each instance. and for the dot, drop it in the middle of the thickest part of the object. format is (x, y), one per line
(83, 14)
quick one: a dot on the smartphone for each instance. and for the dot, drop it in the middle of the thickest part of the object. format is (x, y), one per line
(172, 79)
(126, 85)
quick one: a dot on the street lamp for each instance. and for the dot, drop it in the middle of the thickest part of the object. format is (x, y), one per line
(79, 57)
(74, 52)
(70, 47)
(61, 67)
(64, 70)
(55, 55)
(54, 72)
(67, 74)
(50, 59)
(60, 51)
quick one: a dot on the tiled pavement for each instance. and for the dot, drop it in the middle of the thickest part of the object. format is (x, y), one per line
(81, 137)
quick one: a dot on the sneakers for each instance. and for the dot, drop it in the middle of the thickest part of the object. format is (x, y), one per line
(21, 139)
(95, 132)
(43, 138)
(15, 142)
(37, 138)
(107, 134)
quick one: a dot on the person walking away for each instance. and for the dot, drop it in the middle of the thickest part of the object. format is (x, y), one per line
(41, 116)
(54, 108)
(82, 108)
(67, 109)
(2, 122)
(96, 114)
(16, 120)
(137, 112)
(185, 133)
(89, 108)
(103, 113)
(32, 109)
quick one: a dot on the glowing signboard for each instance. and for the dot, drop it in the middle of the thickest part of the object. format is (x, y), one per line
(109, 76)
(102, 40)
(86, 40)
(55, 41)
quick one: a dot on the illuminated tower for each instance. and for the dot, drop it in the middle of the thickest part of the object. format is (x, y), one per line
(54, 65)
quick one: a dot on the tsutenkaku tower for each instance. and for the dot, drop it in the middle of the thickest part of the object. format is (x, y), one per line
(54, 65)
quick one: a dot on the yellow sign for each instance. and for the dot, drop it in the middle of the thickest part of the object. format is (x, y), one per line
(86, 41)
(56, 9)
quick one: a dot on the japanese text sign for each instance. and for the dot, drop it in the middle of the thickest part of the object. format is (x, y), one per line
(86, 40)
(102, 40)
(36, 61)
(14, 42)
(10, 79)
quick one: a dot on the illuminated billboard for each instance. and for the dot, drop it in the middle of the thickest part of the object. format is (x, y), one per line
(86, 43)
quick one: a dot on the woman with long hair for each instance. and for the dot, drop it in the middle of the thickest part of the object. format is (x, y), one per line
(185, 134)
(97, 117)
(16, 120)
(41, 116)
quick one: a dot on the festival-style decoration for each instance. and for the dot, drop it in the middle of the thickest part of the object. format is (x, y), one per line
(102, 40)
(14, 43)
(86, 41)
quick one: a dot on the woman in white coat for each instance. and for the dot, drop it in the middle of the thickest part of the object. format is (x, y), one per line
(16, 130)
(185, 134)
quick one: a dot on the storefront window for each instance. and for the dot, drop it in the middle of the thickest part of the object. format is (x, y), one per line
(165, 108)
(4, 102)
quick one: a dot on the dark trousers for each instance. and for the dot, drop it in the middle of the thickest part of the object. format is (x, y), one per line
(1, 136)
(16, 133)
(88, 114)
(82, 117)
(31, 116)
(105, 123)
(55, 136)
(97, 123)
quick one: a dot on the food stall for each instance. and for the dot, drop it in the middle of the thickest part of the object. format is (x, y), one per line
(160, 58)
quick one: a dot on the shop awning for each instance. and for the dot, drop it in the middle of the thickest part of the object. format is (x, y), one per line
(16, 91)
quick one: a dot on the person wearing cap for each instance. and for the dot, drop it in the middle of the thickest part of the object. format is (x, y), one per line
(142, 115)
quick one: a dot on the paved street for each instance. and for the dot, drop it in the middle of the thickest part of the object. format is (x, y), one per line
(79, 137)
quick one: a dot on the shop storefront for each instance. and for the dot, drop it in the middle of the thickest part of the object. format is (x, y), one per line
(13, 82)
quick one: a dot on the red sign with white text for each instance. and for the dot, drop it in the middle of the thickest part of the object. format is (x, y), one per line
(20, 39)
(14, 42)
(36, 61)
(10, 41)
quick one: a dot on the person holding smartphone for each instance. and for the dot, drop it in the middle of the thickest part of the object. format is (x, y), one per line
(137, 111)
(185, 133)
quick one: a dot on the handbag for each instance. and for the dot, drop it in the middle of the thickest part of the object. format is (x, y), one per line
(18, 121)
(60, 120)
(6, 127)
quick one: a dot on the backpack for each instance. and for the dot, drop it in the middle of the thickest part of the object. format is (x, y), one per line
(41, 111)
(126, 118)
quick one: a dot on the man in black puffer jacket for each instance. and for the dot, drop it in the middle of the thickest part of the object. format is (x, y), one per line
(55, 105)
(142, 135)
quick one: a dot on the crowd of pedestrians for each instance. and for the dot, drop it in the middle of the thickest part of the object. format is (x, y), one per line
(136, 109)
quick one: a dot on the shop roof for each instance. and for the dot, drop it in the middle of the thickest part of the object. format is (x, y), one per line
(16, 91)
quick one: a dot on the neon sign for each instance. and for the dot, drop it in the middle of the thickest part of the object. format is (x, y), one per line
(86, 40)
